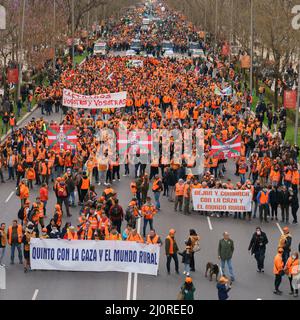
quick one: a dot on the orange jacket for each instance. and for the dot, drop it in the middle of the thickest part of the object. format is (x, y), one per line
(24, 192)
(179, 189)
(278, 264)
(137, 238)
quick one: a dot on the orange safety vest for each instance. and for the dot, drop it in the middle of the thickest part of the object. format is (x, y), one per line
(19, 231)
(72, 235)
(179, 189)
(156, 186)
(295, 177)
(278, 264)
(264, 197)
(152, 241)
(171, 248)
(94, 222)
(148, 211)
(113, 236)
(85, 183)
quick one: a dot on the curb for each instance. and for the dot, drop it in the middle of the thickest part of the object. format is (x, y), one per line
(19, 122)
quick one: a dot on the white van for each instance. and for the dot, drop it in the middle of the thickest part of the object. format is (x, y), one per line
(100, 49)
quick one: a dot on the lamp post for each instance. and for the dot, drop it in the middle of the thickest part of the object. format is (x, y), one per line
(54, 29)
(21, 50)
(73, 27)
(298, 102)
(251, 50)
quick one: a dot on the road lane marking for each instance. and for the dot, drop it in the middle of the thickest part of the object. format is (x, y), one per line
(129, 285)
(8, 198)
(135, 279)
(35, 294)
(280, 229)
(209, 223)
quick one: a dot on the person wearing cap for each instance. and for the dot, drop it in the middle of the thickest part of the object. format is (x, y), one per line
(171, 250)
(278, 270)
(285, 242)
(225, 253)
(28, 235)
(223, 287)
(157, 188)
(179, 191)
(257, 247)
(187, 290)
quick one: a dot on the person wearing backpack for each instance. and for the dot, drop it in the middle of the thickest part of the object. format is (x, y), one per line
(23, 192)
(62, 196)
(132, 213)
(116, 215)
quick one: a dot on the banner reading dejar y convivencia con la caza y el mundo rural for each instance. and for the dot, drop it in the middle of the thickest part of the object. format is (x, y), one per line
(89, 255)
(222, 200)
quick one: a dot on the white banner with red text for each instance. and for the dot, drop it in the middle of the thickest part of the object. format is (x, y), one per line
(102, 101)
(222, 200)
(90, 255)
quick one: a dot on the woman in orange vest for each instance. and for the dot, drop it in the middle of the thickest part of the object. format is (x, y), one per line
(292, 269)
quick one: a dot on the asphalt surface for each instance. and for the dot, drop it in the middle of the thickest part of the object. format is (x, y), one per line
(45, 285)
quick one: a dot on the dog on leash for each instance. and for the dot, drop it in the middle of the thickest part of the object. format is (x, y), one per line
(213, 269)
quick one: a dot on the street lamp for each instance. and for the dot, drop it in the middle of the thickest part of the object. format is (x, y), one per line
(21, 50)
(296, 26)
(251, 50)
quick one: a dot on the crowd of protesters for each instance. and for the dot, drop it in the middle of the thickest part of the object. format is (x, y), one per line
(162, 93)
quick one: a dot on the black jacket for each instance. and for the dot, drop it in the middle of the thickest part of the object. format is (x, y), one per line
(294, 202)
(258, 242)
(171, 179)
(283, 198)
(274, 195)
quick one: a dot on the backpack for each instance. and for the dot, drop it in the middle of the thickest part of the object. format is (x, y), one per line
(21, 214)
(18, 191)
(61, 191)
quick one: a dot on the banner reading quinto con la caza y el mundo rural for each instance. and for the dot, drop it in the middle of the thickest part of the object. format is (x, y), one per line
(89, 255)
(102, 101)
(222, 200)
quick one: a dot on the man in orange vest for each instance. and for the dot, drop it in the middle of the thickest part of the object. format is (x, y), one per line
(153, 238)
(263, 201)
(179, 191)
(171, 250)
(187, 197)
(135, 236)
(148, 212)
(278, 270)
(84, 186)
(157, 188)
(15, 236)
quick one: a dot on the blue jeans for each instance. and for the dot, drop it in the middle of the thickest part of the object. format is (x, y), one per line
(11, 173)
(146, 221)
(72, 197)
(156, 197)
(187, 268)
(229, 267)
(243, 179)
(13, 248)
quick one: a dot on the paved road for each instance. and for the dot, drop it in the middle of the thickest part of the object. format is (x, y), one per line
(249, 284)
